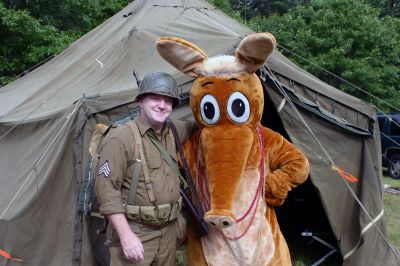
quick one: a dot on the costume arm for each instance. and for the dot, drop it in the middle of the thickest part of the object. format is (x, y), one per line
(288, 168)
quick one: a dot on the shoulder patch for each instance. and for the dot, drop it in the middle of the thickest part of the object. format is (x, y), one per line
(104, 169)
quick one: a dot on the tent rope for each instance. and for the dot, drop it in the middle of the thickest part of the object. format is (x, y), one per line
(351, 84)
(68, 116)
(354, 86)
(166, 29)
(34, 168)
(394, 141)
(384, 154)
(340, 78)
(394, 122)
(150, 49)
(278, 85)
(25, 117)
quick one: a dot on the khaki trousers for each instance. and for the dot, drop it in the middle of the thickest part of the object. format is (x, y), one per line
(159, 245)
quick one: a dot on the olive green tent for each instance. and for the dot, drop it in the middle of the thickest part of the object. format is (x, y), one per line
(47, 116)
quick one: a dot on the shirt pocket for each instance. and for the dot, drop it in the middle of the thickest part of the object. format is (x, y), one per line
(154, 165)
(153, 162)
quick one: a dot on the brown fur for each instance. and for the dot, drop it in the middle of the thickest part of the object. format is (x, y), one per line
(230, 154)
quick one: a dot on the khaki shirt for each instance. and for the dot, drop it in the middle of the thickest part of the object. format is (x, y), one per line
(116, 166)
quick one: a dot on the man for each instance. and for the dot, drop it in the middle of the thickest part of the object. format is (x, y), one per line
(146, 232)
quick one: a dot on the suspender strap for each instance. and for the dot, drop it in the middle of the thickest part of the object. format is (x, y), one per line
(139, 143)
(137, 169)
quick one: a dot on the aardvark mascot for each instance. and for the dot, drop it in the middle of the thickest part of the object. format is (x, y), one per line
(241, 169)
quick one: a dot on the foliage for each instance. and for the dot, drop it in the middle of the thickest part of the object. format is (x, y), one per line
(356, 40)
(70, 15)
(387, 7)
(348, 39)
(32, 31)
(226, 7)
(25, 42)
(249, 9)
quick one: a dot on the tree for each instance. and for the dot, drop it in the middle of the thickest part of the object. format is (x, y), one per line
(69, 15)
(31, 31)
(25, 42)
(387, 7)
(251, 8)
(347, 38)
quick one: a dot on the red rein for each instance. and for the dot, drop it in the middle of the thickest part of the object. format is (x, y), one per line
(254, 203)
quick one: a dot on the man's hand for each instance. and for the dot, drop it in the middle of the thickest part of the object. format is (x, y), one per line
(131, 244)
(132, 247)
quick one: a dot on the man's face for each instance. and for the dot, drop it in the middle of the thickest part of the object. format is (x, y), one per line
(155, 109)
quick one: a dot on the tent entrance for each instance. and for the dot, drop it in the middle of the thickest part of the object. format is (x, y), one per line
(302, 211)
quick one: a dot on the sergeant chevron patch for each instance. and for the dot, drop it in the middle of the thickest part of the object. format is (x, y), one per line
(104, 169)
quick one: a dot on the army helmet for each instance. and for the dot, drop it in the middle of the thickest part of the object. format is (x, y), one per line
(159, 83)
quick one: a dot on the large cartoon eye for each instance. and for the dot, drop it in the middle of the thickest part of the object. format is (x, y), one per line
(209, 109)
(238, 107)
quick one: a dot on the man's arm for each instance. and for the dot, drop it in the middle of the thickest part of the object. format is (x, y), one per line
(109, 179)
(185, 128)
(131, 244)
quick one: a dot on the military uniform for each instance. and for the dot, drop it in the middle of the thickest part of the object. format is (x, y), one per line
(113, 182)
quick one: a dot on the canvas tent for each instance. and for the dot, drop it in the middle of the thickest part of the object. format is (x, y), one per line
(47, 116)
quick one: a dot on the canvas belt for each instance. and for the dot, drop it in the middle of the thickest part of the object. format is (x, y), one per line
(153, 215)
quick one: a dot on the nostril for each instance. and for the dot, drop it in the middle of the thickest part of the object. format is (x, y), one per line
(219, 221)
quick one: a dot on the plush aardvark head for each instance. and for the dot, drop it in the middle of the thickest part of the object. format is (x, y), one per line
(227, 102)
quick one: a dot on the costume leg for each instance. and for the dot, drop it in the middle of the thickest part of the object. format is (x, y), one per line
(195, 250)
(282, 255)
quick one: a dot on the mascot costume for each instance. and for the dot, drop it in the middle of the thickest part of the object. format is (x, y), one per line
(241, 169)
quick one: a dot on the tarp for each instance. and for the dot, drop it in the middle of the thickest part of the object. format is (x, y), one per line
(47, 116)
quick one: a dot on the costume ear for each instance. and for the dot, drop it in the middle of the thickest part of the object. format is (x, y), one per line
(183, 55)
(254, 50)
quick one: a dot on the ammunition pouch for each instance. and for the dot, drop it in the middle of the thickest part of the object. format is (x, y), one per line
(153, 215)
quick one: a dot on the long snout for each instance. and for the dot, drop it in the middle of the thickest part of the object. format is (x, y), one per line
(226, 150)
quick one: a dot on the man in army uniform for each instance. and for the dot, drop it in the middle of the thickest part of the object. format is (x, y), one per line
(145, 232)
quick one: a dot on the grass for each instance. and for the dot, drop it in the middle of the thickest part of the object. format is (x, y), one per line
(307, 254)
(392, 213)
(181, 259)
